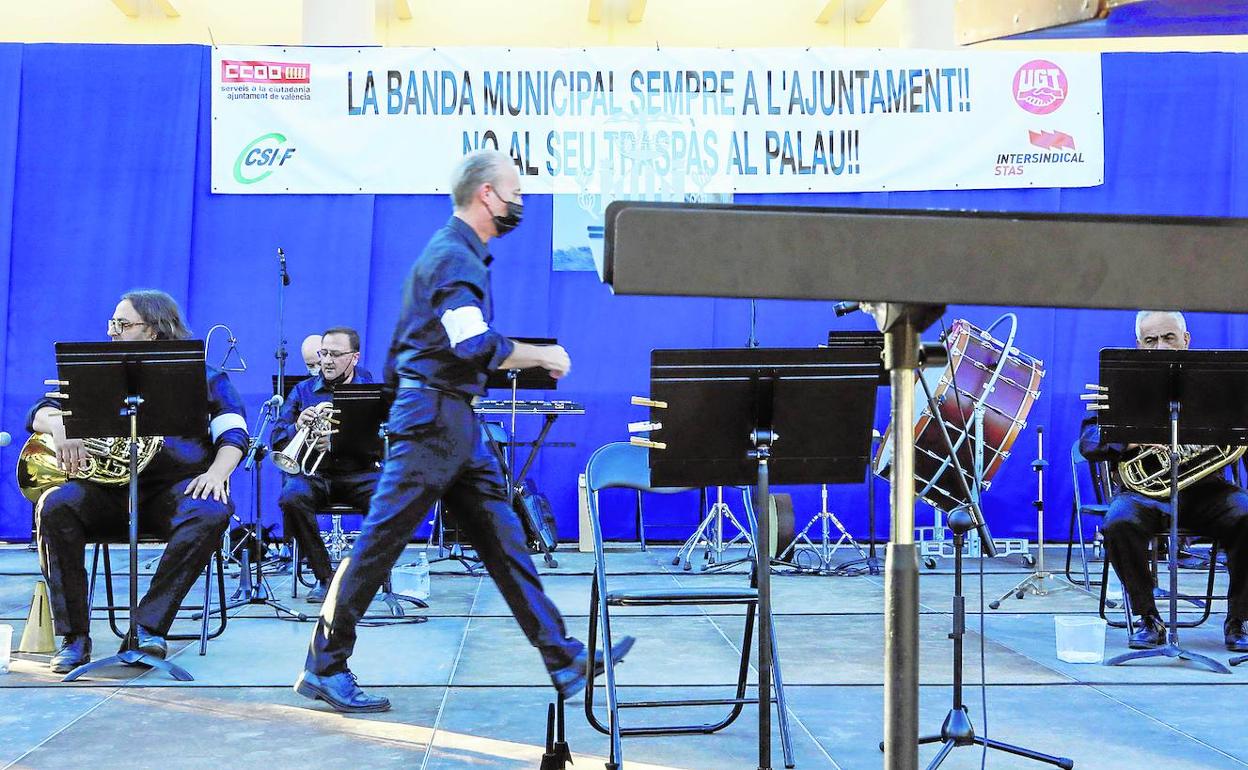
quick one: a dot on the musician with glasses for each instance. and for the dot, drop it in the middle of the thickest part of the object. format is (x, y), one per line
(340, 478)
(184, 495)
(1212, 507)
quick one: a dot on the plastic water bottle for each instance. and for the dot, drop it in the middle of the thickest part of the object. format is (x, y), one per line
(421, 569)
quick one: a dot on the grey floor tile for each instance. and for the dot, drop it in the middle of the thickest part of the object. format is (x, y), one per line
(1073, 721)
(516, 718)
(252, 728)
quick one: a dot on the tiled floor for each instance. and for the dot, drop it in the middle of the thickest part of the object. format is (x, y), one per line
(469, 693)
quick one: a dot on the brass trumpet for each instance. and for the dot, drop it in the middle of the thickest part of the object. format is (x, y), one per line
(302, 448)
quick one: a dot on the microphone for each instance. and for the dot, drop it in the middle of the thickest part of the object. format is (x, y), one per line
(845, 308)
(275, 402)
(5, 438)
(281, 258)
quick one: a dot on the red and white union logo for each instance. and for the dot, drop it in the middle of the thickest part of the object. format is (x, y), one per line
(1040, 86)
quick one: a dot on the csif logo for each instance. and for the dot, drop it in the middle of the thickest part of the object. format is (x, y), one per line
(261, 157)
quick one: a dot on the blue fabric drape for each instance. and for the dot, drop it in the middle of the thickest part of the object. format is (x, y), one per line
(105, 188)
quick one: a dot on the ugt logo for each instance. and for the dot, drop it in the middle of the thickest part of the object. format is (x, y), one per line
(1040, 86)
(261, 157)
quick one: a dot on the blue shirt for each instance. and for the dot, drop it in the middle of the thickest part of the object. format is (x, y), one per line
(452, 272)
(184, 457)
(310, 392)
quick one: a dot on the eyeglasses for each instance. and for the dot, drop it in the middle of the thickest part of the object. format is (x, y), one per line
(119, 325)
(333, 353)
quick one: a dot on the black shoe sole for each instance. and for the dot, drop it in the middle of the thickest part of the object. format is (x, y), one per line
(312, 692)
(1143, 646)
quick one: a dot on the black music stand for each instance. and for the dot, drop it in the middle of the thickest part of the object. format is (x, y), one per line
(283, 385)
(751, 416)
(161, 387)
(1147, 390)
(360, 410)
(515, 380)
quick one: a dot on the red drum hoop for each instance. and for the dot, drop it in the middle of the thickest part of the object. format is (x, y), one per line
(973, 358)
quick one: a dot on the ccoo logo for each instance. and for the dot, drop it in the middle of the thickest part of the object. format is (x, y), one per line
(1040, 86)
(261, 157)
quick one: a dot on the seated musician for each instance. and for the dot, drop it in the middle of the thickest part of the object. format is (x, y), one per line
(184, 495)
(1211, 507)
(310, 351)
(339, 478)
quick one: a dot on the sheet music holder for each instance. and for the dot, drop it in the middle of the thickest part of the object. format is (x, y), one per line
(360, 413)
(142, 388)
(751, 416)
(1174, 397)
(536, 378)
(289, 383)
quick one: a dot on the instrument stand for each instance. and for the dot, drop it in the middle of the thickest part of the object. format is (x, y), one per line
(558, 756)
(1040, 582)
(871, 562)
(724, 412)
(105, 371)
(957, 729)
(1171, 648)
(453, 552)
(710, 533)
(259, 591)
(826, 549)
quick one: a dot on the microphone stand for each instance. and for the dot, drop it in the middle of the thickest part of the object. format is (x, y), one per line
(280, 354)
(257, 592)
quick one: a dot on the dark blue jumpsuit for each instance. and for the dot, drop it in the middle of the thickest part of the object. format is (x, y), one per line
(437, 452)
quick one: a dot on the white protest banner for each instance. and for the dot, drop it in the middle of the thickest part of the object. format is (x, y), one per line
(634, 122)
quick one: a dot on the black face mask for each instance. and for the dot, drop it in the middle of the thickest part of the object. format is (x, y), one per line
(505, 223)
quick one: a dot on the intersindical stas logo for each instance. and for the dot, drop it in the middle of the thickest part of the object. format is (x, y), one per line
(261, 157)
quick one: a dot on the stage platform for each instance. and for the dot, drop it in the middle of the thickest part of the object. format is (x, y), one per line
(468, 692)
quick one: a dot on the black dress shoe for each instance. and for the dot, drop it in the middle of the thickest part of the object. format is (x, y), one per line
(150, 643)
(340, 691)
(1150, 633)
(1235, 635)
(75, 651)
(571, 679)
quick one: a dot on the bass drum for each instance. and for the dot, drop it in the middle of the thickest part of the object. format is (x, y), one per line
(971, 375)
(780, 519)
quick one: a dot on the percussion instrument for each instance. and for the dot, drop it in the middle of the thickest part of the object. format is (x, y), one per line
(980, 373)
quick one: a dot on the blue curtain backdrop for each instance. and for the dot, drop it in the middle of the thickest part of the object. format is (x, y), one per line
(104, 187)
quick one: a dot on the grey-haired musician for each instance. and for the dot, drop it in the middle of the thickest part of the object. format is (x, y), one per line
(1211, 507)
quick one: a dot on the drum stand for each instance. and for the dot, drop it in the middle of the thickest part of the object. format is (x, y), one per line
(1040, 582)
(710, 534)
(826, 549)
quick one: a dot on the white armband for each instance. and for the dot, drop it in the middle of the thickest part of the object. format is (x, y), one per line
(228, 421)
(463, 323)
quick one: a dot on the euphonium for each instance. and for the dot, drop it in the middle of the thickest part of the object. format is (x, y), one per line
(302, 448)
(108, 462)
(1148, 471)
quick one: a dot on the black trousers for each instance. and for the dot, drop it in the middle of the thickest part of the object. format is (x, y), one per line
(81, 510)
(1213, 508)
(303, 497)
(437, 451)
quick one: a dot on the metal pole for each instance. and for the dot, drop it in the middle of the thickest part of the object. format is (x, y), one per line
(762, 556)
(901, 571)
